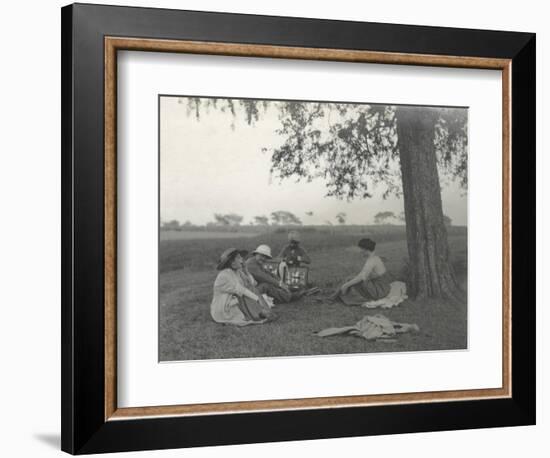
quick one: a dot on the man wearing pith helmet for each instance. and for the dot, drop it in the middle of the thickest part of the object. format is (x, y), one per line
(267, 282)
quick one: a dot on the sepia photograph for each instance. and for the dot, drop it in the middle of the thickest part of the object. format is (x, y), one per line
(302, 228)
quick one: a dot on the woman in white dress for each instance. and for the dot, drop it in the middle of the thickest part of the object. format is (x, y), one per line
(230, 294)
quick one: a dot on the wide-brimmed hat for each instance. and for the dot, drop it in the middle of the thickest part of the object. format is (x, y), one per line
(294, 236)
(226, 257)
(263, 249)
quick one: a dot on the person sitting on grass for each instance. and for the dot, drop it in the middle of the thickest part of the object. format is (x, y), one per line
(232, 302)
(267, 282)
(293, 254)
(372, 282)
(251, 284)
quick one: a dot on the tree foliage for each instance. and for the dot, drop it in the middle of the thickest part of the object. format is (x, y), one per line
(341, 218)
(285, 218)
(261, 220)
(173, 225)
(353, 147)
(383, 217)
(249, 109)
(349, 146)
(230, 219)
(219, 220)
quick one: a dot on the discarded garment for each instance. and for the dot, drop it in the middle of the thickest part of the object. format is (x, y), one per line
(371, 328)
(397, 294)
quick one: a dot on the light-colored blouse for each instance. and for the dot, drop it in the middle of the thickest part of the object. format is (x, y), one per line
(224, 307)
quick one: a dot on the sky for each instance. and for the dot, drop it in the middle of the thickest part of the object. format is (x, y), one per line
(208, 167)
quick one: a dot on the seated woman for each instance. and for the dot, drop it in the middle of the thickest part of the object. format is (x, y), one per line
(371, 283)
(233, 302)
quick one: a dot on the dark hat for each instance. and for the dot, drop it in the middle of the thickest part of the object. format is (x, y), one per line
(367, 244)
(226, 257)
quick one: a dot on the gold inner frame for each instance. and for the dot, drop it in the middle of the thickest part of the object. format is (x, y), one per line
(114, 44)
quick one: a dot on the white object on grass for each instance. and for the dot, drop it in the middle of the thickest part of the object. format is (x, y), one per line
(269, 301)
(397, 294)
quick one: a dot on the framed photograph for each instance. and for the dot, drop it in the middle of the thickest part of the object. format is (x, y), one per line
(283, 228)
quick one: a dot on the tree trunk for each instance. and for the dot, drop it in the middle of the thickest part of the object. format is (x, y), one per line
(430, 270)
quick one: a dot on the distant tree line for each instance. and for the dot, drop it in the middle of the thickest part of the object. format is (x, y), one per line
(283, 218)
(276, 218)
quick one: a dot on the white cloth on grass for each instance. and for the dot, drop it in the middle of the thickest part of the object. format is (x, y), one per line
(269, 301)
(397, 294)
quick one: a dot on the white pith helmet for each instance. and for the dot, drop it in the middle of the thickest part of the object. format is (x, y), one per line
(263, 249)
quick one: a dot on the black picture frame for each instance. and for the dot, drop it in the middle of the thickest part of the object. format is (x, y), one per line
(84, 427)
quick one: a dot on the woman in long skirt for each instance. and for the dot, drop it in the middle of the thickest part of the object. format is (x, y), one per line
(371, 283)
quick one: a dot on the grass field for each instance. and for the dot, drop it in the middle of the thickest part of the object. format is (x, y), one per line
(187, 331)
(204, 235)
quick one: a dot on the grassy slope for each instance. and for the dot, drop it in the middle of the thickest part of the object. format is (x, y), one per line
(188, 332)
